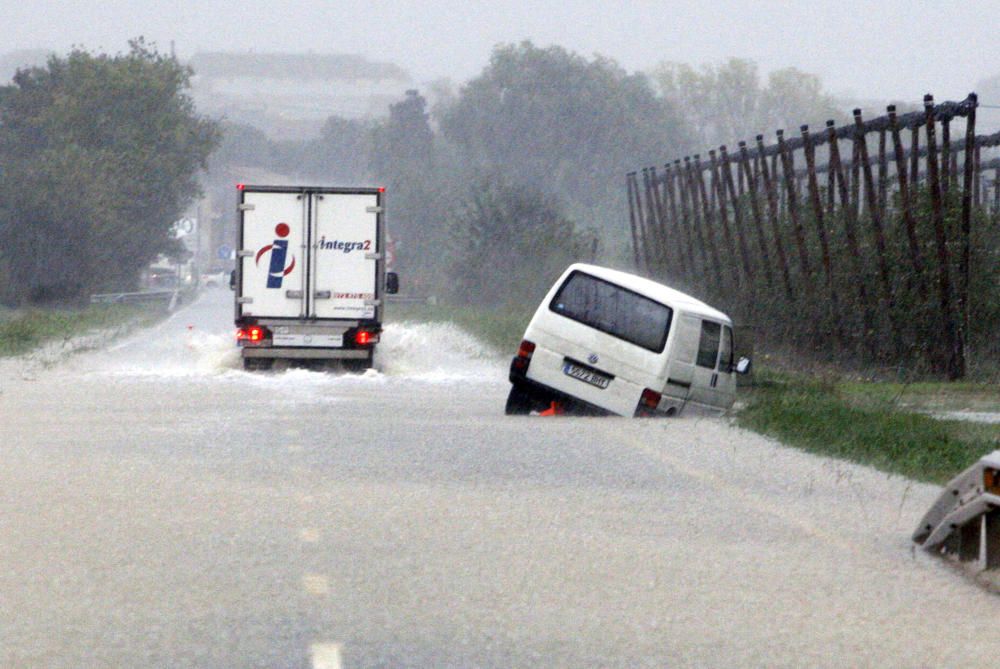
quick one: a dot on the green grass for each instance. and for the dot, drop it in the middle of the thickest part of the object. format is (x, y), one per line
(23, 331)
(501, 329)
(865, 423)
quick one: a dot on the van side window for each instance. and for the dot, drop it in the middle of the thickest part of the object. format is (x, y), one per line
(708, 344)
(726, 357)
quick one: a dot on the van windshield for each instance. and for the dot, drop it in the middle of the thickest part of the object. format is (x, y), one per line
(615, 310)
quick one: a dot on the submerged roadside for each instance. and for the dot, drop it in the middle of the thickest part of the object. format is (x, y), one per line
(25, 331)
(905, 429)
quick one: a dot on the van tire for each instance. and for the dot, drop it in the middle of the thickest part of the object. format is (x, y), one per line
(519, 401)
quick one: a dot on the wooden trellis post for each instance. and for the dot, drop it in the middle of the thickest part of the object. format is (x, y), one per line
(955, 358)
(772, 206)
(849, 214)
(706, 218)
(788, 168)
(632, 185)
(966, 231)
(734, 198)
(719, 189)
(817, 207)
(755, 213)
(909, 221)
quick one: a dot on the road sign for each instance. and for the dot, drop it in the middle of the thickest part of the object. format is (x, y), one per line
(184, 227)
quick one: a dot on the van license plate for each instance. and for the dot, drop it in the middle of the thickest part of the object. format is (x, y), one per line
(585, 375)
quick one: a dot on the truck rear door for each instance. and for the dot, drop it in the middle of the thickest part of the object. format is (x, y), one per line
(272, 262)
(347, 246)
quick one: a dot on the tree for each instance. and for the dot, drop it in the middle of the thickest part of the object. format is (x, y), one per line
(101, 155)
(509, 243)
(562, 124)
(727, 103)
(404, 158)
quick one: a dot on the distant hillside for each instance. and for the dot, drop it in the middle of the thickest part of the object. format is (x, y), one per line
(301, 66)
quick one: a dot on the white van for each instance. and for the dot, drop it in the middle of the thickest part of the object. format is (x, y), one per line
(605, 341)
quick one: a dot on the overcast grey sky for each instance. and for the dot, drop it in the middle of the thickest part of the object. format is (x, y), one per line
(887, 49)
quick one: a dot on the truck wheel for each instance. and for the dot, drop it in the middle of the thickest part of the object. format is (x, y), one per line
(357, 366)
(257, 364)
(519, 401)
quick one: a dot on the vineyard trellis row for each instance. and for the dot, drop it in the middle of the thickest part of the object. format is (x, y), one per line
(888, 254)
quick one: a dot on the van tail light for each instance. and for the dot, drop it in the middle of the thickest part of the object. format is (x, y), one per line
(523, 357)
(648, 402)
(253, 334)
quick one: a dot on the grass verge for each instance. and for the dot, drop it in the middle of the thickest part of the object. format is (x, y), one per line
(865, 423)
(23, 331)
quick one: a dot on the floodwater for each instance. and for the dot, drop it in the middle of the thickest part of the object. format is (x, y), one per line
(161, 507)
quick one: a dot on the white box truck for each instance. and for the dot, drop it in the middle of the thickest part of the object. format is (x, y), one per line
(310, 277)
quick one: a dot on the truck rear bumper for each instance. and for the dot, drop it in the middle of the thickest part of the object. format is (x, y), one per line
(306, 353)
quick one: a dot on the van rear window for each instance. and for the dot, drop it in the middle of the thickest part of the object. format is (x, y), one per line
(615, 310)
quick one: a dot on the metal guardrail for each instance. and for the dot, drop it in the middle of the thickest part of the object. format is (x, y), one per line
(167, 297)
(964, 522)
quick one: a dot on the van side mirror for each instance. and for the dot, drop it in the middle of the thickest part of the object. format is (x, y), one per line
(743, 366)
(232, 280)
(391, 283)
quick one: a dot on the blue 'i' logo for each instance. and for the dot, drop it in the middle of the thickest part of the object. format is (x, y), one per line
(279, 251)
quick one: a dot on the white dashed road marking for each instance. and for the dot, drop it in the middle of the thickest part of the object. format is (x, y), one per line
(325, 655)
(316, 584)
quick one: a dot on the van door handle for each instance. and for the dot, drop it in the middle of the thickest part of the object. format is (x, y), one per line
(322, 295)
(293, 294)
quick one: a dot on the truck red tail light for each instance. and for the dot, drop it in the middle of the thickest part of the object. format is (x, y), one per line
(364, 337)
(523, 358)
(254, 333)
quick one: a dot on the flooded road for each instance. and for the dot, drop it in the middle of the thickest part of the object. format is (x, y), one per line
(160, 507)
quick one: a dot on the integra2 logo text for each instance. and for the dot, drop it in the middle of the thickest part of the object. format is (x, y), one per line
(345, 247)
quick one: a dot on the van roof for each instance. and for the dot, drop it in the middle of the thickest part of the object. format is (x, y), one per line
(657, 291)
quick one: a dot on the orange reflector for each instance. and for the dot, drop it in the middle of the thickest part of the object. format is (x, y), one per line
(555, 409)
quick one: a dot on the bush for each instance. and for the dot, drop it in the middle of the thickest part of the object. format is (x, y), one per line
(508, 244)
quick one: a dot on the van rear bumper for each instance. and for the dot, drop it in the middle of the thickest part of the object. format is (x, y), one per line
(544, 394)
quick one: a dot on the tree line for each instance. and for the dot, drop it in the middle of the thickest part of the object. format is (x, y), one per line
(501, 182)
(99, 154)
